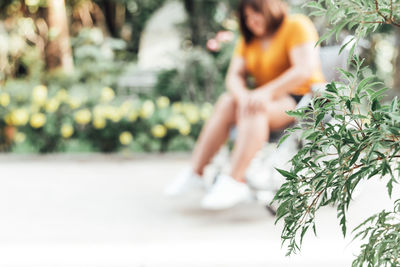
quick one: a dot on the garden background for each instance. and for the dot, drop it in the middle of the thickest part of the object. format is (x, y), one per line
(126, 75)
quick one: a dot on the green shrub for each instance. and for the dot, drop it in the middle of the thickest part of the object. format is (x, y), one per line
(200, 77)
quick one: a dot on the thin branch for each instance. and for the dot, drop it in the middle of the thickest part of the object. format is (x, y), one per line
(391, 10)
(395, 23)
(373, 22)
(387, 20)
(366, 12)
(308, 164)
(379, 12)
(362, 165)
(308, 210)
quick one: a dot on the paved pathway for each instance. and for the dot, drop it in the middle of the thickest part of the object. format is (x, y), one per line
(108, 211)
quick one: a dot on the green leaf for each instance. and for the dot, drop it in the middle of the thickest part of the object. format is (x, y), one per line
(355, 157)
(331, 87)
(375, 105)
(303, 232)
(389, 186)
(324, 37)
(345, 45)
(339, 28)
(378, 93)
(286, 174)
(343, 224)
(374, 172)
(282, 210)
(348, 105)
(363, 83)
(346, 73)
(296, 113)
(283, 138)
(319, 119)
(393, 105)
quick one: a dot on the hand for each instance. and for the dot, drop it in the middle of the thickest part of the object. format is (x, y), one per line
(258, 101)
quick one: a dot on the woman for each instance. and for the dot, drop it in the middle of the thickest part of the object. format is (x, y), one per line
(278, 50)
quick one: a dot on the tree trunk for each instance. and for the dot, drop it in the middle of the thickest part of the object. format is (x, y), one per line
(201, 19)
(115, 17)
(58, 52)
(396, 77)
(191, 7)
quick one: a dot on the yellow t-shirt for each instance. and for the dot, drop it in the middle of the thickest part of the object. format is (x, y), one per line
(267, 64)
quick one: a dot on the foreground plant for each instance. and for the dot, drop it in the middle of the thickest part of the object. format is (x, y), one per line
(350, 136)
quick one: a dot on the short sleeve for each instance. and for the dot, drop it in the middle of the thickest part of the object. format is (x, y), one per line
(239, 48)
(301, 31)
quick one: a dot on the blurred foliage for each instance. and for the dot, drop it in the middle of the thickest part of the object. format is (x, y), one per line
(207, 17)
(138, 13)
(79, 112)
(19, 56)
(105, 36)
(56, 120)
(46, 112)
(201, 76)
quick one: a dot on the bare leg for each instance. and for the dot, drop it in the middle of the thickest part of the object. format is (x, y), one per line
(214, 133)
(253, 132)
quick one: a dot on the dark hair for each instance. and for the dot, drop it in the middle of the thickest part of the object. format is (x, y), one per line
(274, 12)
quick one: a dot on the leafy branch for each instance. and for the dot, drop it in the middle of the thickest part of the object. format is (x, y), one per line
(349, 136)
(383, 234)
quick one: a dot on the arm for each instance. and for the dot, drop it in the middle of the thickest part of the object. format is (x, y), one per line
(304, 59)
(235, 79)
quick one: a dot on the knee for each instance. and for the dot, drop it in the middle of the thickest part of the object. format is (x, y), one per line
(225, 103)
(256, 116)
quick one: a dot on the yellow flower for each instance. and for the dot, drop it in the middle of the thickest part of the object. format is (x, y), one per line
(20, 137)
(52, 105)
(67, 130)
(4, 99)
(18, 117)
(39, 94)
(99, 123)
(162, 102)
(184, 129)
(62, 95)
(159, 131)
(177, 107)
(147, 109)
(74, 103)
(32, 2)
(107, 94)
(206, 111)
(126, 107)
(37, 120)
(125, 138)
(133, 115)
(116, 115)
(99, 111)
(191, 113)
(175, 122)
(109, 111)
(83, 116)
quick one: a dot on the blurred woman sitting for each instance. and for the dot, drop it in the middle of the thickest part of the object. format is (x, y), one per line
(278, 50)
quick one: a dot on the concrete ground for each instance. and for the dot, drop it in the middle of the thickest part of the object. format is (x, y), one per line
(109, 211)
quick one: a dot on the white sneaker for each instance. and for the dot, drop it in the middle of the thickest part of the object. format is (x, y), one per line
(187, 182)
(226, 193)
